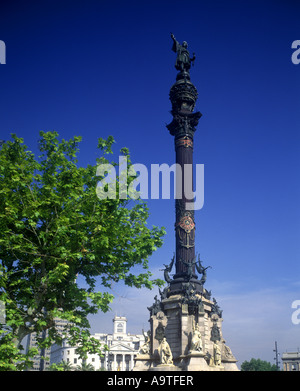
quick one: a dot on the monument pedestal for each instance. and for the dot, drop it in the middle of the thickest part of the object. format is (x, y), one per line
(142, 362)
(164, 368)
(195, 361)
(192, 326)
(230, 366)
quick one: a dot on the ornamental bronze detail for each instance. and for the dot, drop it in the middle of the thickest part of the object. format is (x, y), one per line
(186, 223)
(185, 229)
(184, 142)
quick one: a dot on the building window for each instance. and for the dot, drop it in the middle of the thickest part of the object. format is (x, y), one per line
(75, 360)
(120, 328)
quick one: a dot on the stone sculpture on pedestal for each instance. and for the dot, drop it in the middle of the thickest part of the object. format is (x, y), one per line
(165, 353)
(196, 344)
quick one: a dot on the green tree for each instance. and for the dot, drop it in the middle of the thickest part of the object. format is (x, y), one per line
(62, 366)
(54, 229)
(85, 367)
(258, 365)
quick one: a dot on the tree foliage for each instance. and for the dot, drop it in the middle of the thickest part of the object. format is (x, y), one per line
(258, 365)
(54, 229)
(63, 366)
(85, 367)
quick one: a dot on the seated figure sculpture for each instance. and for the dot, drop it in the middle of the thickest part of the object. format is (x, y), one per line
(165, 353)
(196, 343)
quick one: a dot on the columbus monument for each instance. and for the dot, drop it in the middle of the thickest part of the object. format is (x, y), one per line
(186, 322)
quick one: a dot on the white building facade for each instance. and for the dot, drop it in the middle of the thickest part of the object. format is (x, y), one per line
(123, 347)
(40, 364)
(291, 361)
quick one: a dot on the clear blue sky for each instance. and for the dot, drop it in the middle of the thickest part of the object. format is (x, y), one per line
(95, 68)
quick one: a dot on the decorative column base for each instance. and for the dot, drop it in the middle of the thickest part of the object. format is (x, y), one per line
(230, 366)
(195, 361)
(143, 362)
(165, 367)
(192, 326)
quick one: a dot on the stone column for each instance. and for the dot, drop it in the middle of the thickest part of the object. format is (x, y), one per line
(123, 362)
(114, 365)
(183, 96)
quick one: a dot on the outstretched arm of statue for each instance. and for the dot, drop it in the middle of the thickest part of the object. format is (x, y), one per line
(175, 43)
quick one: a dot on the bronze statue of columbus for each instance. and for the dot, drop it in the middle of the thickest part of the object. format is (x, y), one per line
(183, 60)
